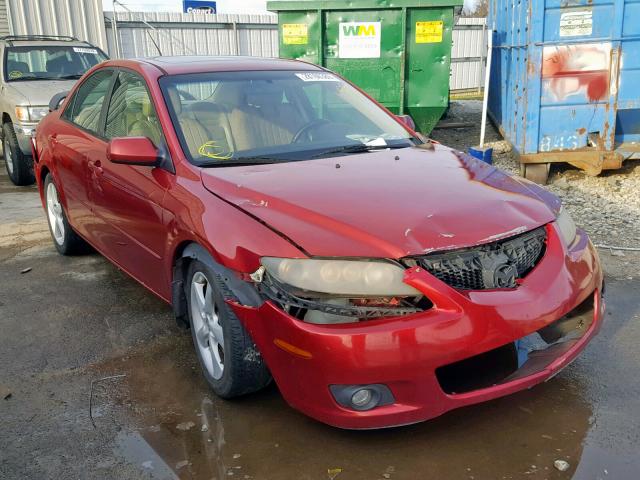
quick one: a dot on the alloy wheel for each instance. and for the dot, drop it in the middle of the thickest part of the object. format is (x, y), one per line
(8, 156)
(54, 214)
(206, 324)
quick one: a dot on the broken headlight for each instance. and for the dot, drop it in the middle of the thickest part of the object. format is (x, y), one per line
(567, 227)
(341, 277)
(339, 291)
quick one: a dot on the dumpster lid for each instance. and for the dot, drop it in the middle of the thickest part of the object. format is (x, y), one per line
(281, 5)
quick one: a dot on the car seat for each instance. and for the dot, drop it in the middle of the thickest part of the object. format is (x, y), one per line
(195, 134)
(263, 117)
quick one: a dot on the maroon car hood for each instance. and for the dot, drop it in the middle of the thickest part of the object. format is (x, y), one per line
(385, 203)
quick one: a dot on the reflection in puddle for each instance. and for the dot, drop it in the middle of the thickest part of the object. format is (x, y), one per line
(133, 448)
(175, 423)
(186, 432)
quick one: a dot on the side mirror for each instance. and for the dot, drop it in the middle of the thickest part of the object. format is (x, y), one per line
(408, 121)
(133, 151)
(57, 100)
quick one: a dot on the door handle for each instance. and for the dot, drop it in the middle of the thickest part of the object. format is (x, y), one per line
(96, 167)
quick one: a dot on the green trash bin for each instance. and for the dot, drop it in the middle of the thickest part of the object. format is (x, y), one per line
(398, 51)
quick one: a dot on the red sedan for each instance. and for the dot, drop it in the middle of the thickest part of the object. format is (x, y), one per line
(306, 234)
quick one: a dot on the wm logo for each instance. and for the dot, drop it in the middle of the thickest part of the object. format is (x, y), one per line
(358, 30)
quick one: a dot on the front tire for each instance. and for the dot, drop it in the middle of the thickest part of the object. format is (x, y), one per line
(19, 166)
(66, 241)
(228, 357)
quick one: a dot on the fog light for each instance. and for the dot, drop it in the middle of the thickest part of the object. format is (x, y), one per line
(361, 398)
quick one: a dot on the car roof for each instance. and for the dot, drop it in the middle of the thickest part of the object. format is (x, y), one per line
(174, 65)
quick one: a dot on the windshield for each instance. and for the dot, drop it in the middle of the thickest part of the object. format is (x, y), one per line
(49, 62)
(231, 117)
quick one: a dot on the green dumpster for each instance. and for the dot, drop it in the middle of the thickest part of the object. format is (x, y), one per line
(398, 51)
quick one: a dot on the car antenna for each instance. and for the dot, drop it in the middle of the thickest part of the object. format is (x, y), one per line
(155, 44)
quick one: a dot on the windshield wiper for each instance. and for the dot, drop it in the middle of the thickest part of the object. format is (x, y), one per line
(357, 148)
(240, 161)
(75, 76)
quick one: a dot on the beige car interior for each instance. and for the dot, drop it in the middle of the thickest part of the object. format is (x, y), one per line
(131, 114)
(239, 116)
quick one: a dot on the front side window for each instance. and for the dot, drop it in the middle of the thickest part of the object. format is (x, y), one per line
(283, 115)
(85, 106)
(131, 112)
(57, 62)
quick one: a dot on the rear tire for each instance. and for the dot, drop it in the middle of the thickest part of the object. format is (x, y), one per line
(66, 241)
(19, 166)
(230, 361)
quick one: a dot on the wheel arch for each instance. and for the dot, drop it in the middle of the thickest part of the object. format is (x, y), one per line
(42, 174)
(243, 292)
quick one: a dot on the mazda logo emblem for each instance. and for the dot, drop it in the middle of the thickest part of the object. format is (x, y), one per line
(504, 276)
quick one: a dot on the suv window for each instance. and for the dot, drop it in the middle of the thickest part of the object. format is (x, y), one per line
(86, 105)
(49, 62)
(131, 112)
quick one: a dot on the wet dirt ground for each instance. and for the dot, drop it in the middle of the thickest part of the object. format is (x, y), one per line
(101, 384)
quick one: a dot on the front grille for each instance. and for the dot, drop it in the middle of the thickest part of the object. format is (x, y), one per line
(492, 265)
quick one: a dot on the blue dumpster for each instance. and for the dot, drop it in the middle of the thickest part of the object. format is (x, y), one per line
(565, 82)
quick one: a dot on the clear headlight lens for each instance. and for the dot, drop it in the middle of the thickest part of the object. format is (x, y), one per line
(341, 277)
(31, 114)
(567, 227)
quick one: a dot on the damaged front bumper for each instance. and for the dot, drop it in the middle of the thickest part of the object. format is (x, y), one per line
(468, 347)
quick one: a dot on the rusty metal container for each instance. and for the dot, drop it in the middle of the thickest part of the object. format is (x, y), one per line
(565, 82)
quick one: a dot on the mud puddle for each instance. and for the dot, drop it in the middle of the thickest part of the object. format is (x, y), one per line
(178, 429)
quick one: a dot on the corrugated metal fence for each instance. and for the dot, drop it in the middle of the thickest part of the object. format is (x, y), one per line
(78, 18)
(468, 54)
(4, 22)
(198, 34)
(191, 34)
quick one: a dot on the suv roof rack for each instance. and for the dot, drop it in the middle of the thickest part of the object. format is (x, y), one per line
(64, 38)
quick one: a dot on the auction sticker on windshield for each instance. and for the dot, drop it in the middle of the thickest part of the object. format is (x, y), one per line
(91, 51)
(359, 40)
(317, 77)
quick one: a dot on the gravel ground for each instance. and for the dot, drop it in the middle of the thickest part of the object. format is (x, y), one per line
(607, 206)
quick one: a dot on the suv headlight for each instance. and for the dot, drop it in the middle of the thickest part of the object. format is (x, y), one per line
(340, 277)
(567, 227)
(31, 114)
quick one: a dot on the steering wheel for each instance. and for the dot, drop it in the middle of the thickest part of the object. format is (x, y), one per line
(306, 128)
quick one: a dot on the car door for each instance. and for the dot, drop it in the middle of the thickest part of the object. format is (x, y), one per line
(128, 198)
(76, 145)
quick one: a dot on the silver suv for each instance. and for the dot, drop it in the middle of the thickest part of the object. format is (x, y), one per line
(34, 69)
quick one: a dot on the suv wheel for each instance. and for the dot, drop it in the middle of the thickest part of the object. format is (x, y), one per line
(19, 166)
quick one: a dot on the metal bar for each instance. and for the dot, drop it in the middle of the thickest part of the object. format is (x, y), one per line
(403, 61)
(467, 59)
(469, 27)
(580, 41)
(485, 98)
(236, 38)
(482, 56)
(192, 25)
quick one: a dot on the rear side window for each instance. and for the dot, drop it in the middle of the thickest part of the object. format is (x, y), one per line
(86, 105)
(131, 112)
